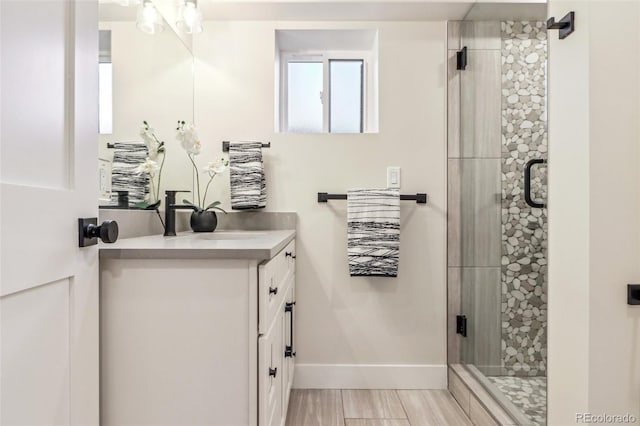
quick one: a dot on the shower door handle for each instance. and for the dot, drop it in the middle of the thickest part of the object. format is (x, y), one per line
(527, 183)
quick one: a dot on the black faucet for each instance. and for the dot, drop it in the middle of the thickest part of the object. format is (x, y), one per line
(170, 208)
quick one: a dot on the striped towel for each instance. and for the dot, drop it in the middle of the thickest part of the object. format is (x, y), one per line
(246, 171)
(126, 158)
(373, 220)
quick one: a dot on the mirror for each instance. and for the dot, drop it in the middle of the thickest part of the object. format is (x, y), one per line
(143, 77)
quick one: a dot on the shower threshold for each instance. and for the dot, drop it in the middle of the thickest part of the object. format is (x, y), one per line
(516, 412)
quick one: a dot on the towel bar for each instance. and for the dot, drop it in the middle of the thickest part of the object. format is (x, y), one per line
(113, 145)
(225, 146)
(323, 197)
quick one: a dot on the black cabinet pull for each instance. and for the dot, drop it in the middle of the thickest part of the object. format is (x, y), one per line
(273, 372)
(273, 290)
(289, 254)
(527, 183)
(288, 349)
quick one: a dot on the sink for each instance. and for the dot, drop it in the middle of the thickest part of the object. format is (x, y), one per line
(228, 235)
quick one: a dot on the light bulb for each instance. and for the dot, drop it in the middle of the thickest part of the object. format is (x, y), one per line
(190, 18)
(149, 20)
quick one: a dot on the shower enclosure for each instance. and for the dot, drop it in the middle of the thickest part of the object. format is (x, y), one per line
(497, 235)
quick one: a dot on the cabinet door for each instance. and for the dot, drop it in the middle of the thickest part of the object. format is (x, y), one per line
(289, 350)
(270, 371)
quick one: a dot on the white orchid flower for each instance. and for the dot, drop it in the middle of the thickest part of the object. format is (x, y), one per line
(150, 141)
(148, 166)
(188, 138)
(216, 167)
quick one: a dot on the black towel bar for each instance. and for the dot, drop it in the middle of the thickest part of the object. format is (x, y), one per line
(113, 145)
(323, 197)
(225, 145)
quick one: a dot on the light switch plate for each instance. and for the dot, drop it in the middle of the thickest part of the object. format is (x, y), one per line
(104, 182)
(393, 177)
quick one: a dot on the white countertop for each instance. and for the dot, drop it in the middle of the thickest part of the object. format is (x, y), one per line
(260, 245)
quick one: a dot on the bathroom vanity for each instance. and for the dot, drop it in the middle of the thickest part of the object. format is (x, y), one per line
(197, 329)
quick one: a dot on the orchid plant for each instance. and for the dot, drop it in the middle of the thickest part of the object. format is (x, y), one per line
(188, 138)
(150, 166)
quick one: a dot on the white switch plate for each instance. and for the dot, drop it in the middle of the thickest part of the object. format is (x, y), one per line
(393, 177)
(104, 173)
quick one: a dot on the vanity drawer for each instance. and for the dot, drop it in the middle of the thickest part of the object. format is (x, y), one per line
(289, 266)
(270, 375)
(273, 281)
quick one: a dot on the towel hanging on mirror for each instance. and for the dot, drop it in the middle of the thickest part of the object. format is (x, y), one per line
(124, 175)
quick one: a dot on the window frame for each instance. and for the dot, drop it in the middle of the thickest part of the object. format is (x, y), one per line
(325, 57)
(105, 57)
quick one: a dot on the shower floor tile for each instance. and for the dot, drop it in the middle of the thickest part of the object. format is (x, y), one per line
(529, 394)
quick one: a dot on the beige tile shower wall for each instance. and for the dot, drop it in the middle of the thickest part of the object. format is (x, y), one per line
(481, 301)
(474, 193)
(343, 320)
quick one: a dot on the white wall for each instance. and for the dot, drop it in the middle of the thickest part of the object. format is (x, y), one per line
(346, 322)
(594, 211)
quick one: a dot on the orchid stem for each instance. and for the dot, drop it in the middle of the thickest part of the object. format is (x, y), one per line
(160, 176)
(195, 168)
(160, 217)
(204, 201)
(153, 191)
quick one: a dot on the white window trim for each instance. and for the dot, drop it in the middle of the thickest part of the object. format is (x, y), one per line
(325, 57)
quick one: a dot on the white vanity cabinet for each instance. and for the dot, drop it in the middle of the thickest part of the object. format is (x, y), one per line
(276, 351)
(191, 339)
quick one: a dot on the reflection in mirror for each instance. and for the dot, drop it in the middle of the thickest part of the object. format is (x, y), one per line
(143, 78)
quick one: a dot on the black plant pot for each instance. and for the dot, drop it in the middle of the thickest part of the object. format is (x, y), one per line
(204, 221)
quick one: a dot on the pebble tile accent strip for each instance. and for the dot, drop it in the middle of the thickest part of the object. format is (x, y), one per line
(524, 229)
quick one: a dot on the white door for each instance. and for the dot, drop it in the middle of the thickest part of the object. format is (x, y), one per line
(48, 172)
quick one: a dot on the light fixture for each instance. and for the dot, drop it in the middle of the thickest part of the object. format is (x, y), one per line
(189, 18)
(149, 20)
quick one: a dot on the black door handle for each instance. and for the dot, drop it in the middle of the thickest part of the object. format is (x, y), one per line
(288, 349)
(527, 183)
(273, 372)
(89, 231)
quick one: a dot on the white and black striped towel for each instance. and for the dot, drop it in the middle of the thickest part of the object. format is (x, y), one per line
(246, 171)
(126, 159)
(373, 219)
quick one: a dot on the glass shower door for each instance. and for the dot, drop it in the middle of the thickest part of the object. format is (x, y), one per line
(497, 178)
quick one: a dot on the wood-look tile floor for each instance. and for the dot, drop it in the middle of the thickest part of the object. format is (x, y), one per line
(334, 407)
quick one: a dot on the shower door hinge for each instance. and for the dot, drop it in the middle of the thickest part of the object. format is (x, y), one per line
(461, 325)
(461, 59)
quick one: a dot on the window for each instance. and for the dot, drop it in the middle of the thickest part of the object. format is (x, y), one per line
(105, 84)
(304, 97)
(346, 95)
(326, 90)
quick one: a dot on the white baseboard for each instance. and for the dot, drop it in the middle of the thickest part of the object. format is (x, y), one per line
(370, 376)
